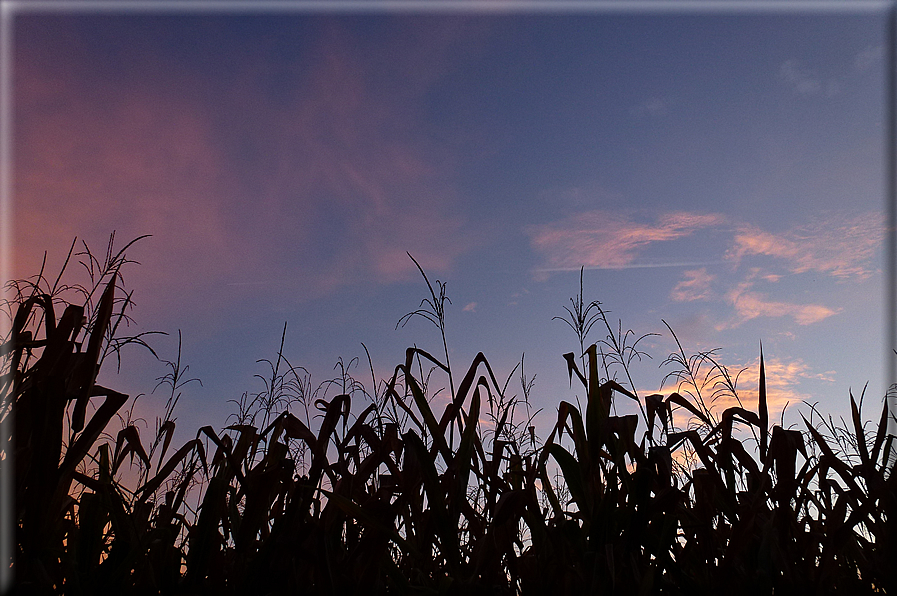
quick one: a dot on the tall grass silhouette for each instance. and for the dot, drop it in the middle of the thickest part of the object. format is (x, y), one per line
(342, 488)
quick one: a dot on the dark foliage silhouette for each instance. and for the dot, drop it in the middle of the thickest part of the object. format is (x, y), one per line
(338, 488)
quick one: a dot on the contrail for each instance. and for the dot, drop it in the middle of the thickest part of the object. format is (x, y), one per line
(636, 266)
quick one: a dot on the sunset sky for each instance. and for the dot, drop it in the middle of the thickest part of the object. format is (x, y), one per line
(722, 170)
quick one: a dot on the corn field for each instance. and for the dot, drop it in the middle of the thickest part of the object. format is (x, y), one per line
(346, 489)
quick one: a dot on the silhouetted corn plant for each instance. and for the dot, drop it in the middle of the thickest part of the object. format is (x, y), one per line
(337, 489)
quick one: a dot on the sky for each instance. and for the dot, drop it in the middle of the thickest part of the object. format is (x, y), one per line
(719, 170)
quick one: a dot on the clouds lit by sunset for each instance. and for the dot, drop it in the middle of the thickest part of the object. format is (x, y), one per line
(721, 172)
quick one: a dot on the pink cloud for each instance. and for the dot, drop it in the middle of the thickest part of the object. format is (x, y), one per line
(112, 160)
(800, 79)
(345, 156)
(751, 305)
(783, 380)
(322, 185)
(695, 286)
(838, 245)
(604, 240)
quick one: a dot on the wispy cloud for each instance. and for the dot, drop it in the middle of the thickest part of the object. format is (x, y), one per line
(351, 180)
(695, 286)
(800, 79)
(654, 107)
(749, 305)
(838, 245)
(93, 158)
(805, 81)
(470, 307)
(316, 179)
(783, 380)
(604, 240)
(869, 57)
